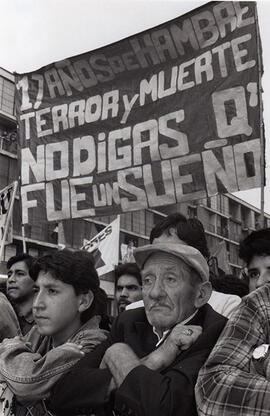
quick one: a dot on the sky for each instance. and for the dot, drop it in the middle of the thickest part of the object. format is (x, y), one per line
(35, 33)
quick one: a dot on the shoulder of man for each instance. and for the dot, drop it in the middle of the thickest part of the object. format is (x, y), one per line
(128, 319)
(224, 303)
(137, 314)
(257, 301)
(207, 317)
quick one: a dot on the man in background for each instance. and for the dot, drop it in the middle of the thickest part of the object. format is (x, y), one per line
(20, 290)
(128, 285)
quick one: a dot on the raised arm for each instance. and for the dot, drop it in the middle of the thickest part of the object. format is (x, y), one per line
(31, 375)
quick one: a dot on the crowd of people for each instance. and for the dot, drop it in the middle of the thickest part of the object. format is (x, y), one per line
(185, 341)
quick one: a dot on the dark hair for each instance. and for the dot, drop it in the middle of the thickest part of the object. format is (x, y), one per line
(230, 284)
(191, 231)
(26, 258)
(255, 244)
(128, 268)
(77, 269)
(163, 226)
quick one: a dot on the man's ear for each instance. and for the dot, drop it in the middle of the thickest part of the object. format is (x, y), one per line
(204, 292)
(85, 300)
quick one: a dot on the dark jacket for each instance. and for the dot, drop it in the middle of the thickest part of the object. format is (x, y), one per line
(144, 392)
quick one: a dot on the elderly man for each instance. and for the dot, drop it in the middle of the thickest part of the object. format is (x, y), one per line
(236, 378)
(150, 362)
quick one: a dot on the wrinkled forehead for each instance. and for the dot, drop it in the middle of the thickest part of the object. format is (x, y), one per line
(164, 260)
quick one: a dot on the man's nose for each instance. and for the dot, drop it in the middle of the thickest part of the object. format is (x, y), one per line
(157, 290)
(39, 302)
(11, 277)
(263, 278)
(124, 293)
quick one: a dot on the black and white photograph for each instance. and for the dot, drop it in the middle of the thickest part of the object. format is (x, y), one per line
(134, 208)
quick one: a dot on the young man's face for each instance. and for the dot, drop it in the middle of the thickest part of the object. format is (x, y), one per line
(128, 290)
(19, 283)
(55, 308)
(258, 271)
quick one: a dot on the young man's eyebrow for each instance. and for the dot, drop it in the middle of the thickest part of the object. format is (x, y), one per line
(51, 285)
(16, 270)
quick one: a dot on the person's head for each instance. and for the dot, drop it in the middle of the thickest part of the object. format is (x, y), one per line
(190, 231)
(255, 251)
(230, 284)
(175, 281)
(66, 284)
(19, 283)
(128, 285)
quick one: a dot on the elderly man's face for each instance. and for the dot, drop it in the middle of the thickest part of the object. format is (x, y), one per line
(168, 291)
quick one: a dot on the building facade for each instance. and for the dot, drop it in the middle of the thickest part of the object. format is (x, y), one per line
(225, 217)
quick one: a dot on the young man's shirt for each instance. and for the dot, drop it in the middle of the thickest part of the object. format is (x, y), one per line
(9, 324)
(229, 383)
(31, 366)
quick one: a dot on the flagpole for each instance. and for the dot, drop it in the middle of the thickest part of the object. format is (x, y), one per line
(262, 139)
(10, 209)
(23, 239)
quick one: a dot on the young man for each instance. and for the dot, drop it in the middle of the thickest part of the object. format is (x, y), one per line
(150, 361)
(236, 378)
(67, 295)
(128, 285)
(20, 289)
(255, 251)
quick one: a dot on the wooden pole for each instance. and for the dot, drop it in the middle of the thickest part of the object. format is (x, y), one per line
(10, 209)
(262, 138)
(23, 239)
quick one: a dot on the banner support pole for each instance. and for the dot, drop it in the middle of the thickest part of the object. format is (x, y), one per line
(23, 239)
(10, 210)
(262, 139)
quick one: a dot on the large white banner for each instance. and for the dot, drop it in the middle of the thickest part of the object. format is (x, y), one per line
(168, 115)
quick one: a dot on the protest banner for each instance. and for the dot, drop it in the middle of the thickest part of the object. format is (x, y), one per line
(168, 115)
(7, 197)
(105, 247)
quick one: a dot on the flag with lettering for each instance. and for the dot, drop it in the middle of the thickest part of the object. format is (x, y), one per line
(105, 247)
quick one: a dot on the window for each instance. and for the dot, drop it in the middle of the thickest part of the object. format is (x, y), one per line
(192, 211)
(7, 92)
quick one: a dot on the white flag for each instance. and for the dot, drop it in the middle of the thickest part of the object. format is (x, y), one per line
(7, 197)
(221, 255)
(105, 247)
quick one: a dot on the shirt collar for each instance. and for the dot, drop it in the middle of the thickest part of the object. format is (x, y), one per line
(165, 333)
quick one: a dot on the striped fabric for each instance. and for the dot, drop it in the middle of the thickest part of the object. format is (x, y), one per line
(228, 383)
